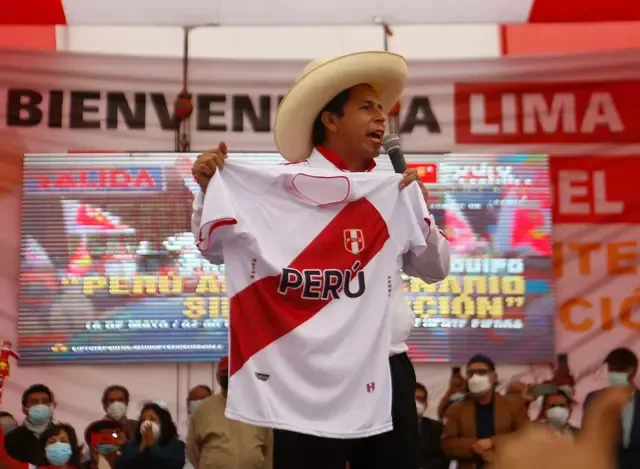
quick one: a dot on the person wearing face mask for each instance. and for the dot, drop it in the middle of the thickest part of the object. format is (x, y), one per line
(115, 401)
(60, 446)
(196, 395)
(23, 443)
(103, 438)
(622, 368)
(474, 427)
(556, 411)
(156, 444)
(430, 431)
(215, 442)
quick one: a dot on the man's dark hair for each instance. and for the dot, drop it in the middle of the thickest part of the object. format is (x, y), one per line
(335, 106)
(203, 386)
(100, 426)
(168, 430)
(479, 358)
(115, 387)
(622, 359)
(422, 387)
(34, 389)
(55, 430)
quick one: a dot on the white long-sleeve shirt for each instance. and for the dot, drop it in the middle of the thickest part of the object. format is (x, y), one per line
(432, 265)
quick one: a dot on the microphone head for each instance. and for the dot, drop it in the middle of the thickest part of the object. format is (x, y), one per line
(391, 142)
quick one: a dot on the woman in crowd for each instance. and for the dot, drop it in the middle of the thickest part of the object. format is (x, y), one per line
(61, 447)
(156, 443)
(104, 439)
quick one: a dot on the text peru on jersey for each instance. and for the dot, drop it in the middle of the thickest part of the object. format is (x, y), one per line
(484, 113)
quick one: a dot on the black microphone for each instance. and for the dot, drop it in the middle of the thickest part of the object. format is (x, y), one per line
(391, 144)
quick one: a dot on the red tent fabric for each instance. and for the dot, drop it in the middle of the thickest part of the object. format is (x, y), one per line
(328, 12)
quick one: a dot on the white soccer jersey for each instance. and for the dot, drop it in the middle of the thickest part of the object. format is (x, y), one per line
(310, 258)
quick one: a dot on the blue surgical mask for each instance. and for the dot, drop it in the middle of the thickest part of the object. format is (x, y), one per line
(106, 448)
(618, 378)
(39, 414)
(193, 405)
(58, 453)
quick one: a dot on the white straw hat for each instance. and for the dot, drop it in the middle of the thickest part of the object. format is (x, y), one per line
(321, 81)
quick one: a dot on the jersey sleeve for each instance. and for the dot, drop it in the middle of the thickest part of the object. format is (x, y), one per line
(426, 253)
(214, 219)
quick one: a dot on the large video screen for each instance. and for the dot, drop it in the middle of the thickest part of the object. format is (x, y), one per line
(110, 271)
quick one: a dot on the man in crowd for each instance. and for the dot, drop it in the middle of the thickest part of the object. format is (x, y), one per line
(556, 411)
(196, 395)
(215, 442)
(473, 427)
(22, 443)
(115, 402)
(622, 368)
(431, 454)
(335, 120)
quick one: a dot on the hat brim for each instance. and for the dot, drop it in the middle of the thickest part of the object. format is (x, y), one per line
(384, 71)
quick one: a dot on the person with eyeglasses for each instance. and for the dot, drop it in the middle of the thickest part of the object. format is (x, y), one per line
(556, 412)
(474, 427)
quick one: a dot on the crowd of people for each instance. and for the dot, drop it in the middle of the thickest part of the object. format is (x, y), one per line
(473, 418)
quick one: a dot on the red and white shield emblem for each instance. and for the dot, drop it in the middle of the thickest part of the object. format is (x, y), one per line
(353, 241)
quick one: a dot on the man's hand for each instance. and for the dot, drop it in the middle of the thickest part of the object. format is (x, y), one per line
(205, 166)
(411, 175)
(594, 448)
(482, 445)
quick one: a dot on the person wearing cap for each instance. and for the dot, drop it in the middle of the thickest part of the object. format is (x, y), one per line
(474, 427)
(215, 442)
(334, 117)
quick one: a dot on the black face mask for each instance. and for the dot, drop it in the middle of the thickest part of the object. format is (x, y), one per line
(224, 382)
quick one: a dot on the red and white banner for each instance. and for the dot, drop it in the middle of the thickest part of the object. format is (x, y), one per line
(309, 12)
(561, 105)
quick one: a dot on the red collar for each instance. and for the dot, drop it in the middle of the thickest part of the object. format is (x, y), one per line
(337, 161)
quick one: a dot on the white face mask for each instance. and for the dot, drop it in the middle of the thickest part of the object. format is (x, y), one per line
(618, 378)
(421, 406)
(479, 384)
(117, 410)
(558, 416)
(155, 428)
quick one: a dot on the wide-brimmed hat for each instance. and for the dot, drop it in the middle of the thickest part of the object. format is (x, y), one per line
(321, 81)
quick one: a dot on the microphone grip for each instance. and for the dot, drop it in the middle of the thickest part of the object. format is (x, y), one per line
(397, 161)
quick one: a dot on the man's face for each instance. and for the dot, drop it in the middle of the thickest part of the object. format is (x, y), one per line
(556, 400)
(36, 398)
(197, 394)
(480, 369)
(361, 128)
(115, 396)
(421, 396)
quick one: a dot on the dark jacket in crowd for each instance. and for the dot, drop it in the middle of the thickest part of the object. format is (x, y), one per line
(168, 456)
(23, 445)
(431, 454)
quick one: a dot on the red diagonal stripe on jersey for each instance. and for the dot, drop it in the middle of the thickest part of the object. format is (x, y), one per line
(33, 12)
(260, 315)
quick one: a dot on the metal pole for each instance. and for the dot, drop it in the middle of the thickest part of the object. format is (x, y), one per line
(394, 120)
(183, 127)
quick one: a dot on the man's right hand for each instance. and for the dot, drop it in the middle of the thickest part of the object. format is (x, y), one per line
(206, 164)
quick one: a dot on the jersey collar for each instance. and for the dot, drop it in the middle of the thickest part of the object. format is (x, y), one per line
(336, 161)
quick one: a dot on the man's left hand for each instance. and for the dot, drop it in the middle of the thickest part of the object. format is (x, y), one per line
(411, 175)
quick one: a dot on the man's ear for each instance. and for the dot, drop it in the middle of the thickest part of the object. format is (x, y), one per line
(330, 121)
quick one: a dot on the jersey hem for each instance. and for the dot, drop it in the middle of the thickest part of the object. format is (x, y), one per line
(387, 427)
